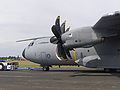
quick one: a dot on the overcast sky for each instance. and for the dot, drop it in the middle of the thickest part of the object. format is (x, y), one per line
(21, 19)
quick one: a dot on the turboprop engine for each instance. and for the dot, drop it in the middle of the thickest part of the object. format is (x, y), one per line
(68, 40)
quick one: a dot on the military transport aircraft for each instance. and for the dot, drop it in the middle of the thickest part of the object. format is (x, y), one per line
(94, 47)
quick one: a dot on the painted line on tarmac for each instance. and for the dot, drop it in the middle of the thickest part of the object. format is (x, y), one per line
(1, 76)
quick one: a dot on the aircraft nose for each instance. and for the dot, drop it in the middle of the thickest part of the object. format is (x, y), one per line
(23, 53)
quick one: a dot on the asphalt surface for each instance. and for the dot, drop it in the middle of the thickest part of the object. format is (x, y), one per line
(60, 79)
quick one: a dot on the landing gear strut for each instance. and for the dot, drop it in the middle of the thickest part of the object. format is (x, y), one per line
(46, 68)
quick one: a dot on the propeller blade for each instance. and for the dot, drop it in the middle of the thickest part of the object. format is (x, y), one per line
(68, 54)
(67, 29)
(63, 27)
(60, 51)
(57, 24)
(55, 31)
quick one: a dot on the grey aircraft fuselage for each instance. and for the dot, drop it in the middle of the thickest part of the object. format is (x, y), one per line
(102, 55)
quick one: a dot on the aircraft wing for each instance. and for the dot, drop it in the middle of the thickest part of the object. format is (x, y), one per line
(108, 26)
(33, 39)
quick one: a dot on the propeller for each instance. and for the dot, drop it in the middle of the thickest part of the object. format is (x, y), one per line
(58, 30)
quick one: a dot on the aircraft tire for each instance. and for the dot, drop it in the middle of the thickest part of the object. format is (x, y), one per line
(113, 70)
(46, 68)
(1, 67)
(106, 69)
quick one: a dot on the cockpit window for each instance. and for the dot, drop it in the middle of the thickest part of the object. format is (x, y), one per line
(31, 44)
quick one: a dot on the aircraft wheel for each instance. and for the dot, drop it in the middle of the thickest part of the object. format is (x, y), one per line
(113, 70)
(1, 67)
(106, 69)
(46, 68)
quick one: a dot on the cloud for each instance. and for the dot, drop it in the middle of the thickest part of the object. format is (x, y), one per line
(21, 19)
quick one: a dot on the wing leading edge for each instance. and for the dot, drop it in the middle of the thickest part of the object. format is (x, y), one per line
(33, 39)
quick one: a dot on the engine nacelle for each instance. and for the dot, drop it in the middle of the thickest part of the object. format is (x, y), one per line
(81, 38)
(84, 44)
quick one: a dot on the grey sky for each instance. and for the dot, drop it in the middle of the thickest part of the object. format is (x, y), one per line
(21, 19)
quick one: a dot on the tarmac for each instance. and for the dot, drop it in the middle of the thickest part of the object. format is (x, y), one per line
(66, 78)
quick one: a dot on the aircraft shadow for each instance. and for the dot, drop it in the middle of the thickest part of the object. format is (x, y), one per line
(86, 72)
(78, 73)
(95, 73)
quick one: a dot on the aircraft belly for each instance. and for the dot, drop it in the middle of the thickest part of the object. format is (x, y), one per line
(109, 61)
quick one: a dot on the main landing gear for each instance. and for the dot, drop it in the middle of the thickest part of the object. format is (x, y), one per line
(46, 68)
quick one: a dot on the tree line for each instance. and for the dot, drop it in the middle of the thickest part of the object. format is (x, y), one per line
(10, 58)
